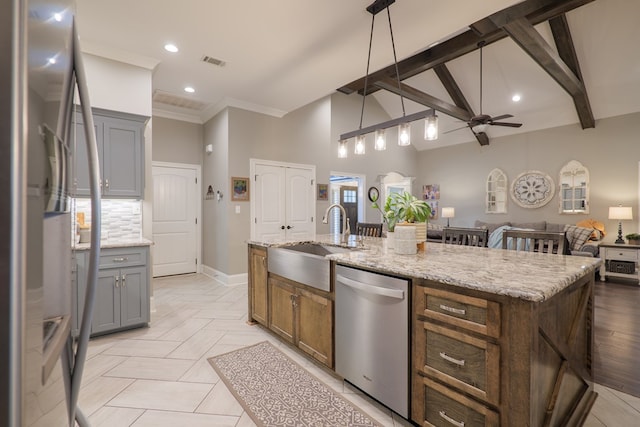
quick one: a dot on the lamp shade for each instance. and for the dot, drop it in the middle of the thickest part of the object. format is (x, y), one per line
(620, 212)
(448, 212)
(431, 128)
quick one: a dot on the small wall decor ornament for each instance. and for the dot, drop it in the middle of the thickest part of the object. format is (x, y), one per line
(532, 189)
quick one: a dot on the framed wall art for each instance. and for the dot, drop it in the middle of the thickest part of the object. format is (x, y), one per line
(323, 191)
(532, 189)
(239, 189)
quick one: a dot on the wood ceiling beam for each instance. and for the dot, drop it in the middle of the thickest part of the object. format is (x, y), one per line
(488, 30)
(420, 97)
(454, 91)
(566, 50)
(526, 36)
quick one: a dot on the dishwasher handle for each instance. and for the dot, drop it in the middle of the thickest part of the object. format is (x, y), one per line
(371, 289)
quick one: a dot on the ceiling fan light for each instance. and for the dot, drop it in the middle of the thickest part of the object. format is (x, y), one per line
(360, 147)
(431, 128)
(342, 149)
(404, 134)
(381, 142)
(479, 128)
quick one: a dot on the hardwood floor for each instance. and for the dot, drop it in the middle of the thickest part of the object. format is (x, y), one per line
(617, 335)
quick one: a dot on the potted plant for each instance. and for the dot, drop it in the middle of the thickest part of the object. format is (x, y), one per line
(633, 238)
(412, 210)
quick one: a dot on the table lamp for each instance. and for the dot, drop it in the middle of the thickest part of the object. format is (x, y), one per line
(448, 213)
(620, 213)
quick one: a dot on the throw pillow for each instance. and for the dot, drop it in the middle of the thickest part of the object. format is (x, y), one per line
(577, 236)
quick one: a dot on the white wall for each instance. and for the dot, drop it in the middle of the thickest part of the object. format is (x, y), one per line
(610, 151)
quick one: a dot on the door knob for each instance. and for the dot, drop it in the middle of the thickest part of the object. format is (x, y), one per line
(282, 227)
(289, 227)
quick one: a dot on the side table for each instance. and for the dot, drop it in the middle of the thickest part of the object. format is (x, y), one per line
(619, 260)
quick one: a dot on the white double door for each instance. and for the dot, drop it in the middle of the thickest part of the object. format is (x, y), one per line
(284, 201)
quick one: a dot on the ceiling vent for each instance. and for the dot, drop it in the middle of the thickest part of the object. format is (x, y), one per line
(213, 61)
(160, 97)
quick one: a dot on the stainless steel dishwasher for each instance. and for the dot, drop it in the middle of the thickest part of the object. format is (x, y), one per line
(372, 335)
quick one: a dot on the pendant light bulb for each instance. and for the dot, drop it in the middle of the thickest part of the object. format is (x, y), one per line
(431, 128)
(404, 134)
(381, 143)
(359, 149)
(342, 149)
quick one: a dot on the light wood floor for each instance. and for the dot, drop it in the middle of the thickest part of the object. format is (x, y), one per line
(617, 335)
(159, 376)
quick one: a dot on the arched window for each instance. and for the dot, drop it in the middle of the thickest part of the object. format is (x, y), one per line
(573, 186)
(496, 201)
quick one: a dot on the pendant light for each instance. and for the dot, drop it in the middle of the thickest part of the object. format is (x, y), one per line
(403, 123)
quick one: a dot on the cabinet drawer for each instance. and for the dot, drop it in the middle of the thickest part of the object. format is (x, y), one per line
(468, 363)
(622, 254)
(445, 408)
(123, 257)
(474, 314)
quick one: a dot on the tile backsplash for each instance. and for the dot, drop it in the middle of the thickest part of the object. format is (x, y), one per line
(121, 218)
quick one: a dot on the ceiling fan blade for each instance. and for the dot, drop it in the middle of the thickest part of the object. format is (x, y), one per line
(453, 130)
(511, 125)
(504, 116)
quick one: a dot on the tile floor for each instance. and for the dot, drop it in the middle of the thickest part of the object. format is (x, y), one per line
(159, 376)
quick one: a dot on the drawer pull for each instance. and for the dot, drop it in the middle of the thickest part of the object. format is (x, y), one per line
(124, 277)
(448, 358)
(120, 259)
(451, 420)
(453, 310)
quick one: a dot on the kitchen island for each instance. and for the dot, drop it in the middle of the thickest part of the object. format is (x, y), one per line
(497, 337)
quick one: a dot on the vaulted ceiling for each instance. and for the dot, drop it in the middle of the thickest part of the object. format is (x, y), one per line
(572, 61)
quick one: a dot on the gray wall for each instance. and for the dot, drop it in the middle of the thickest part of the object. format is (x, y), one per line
(610, 151)
(177, 141)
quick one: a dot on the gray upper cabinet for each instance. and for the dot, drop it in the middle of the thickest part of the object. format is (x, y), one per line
(120, 139)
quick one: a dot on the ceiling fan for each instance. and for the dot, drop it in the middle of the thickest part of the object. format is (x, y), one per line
(480, 122)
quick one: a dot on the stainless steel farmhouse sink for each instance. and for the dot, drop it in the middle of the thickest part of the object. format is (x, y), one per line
(303, 263)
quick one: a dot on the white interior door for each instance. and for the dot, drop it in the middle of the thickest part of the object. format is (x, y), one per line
(283, 205)
(175, 220)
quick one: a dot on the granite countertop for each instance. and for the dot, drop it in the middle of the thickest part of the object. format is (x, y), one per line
(524, 275)
(122, 242)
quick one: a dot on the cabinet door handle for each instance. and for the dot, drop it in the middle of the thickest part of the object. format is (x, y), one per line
(120, 259)
(445, 356)
(450, 420)
(106, 183)
(117, 282)
(289, 227)
(453, 310)
(124, 277)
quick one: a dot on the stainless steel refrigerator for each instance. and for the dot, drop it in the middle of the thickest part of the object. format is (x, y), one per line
(40, 363)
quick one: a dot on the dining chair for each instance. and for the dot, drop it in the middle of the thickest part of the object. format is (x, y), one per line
(369, 229)
(465, 236)
(534, 241)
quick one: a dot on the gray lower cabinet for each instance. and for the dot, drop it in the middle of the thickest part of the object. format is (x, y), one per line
(122, 295)
(120, 139)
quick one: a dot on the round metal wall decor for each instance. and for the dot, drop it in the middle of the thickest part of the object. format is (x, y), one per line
(532, 189)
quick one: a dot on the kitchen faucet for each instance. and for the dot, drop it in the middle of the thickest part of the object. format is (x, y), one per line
(345, 221)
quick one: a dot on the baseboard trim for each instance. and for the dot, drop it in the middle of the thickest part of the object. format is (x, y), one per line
(225, 279)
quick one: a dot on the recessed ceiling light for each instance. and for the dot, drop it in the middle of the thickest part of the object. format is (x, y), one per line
(170, 47)
(57, 17)
(516, 97)
(52, 60)
(189, 89)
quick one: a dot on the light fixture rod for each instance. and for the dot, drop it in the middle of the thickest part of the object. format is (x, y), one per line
(366, 76)
(395, 61)
(391, 123)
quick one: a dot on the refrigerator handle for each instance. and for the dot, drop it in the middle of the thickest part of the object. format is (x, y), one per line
(94, 252)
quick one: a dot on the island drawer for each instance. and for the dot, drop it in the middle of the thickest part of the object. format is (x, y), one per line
(620, 254)
(474, 314)
(439, 406)
(470, 364)
(123, 257)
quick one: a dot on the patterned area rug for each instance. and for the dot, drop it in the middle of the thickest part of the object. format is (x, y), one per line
(276, 391)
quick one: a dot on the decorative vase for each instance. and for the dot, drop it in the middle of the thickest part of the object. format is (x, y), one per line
(421, 231)
(405, 239)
